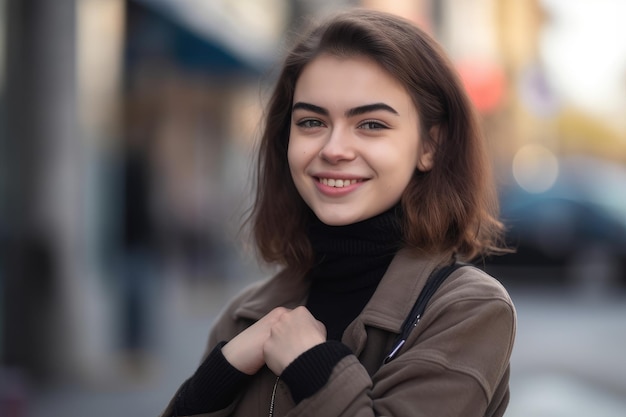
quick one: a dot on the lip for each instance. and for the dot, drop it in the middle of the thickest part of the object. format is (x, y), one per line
(332, 191)
(338, 176)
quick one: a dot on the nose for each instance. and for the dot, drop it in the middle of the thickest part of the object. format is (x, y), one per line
(339, 146)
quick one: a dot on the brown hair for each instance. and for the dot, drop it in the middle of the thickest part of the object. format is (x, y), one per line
(451, 207)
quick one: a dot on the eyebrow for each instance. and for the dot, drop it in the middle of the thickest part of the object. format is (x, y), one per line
(355, 111)
(310, 107)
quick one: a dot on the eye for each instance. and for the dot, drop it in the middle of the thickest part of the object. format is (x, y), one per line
(373, 125)
(310, 123)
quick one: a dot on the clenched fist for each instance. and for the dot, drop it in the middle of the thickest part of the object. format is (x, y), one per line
(291, 334)
(245, 351)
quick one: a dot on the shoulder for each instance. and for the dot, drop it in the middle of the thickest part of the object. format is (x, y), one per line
(409, 272)
(468, 293)
(472, 283)
(468, 327)
(472, 296)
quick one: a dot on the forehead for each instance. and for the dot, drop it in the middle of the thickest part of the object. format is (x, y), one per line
(340, 82)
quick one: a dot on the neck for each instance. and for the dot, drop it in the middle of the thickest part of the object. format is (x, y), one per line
(375, 236)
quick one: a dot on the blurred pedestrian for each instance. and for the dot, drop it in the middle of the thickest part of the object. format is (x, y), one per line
(139, 277)
(372, 177)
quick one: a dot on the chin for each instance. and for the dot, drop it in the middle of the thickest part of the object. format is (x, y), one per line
(336, 222)
(337, 219)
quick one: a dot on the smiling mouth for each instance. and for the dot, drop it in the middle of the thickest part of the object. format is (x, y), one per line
(337, 183)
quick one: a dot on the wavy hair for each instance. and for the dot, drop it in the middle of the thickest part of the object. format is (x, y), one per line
(452, 207)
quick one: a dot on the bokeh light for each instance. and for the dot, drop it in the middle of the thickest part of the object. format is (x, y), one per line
(535, 168)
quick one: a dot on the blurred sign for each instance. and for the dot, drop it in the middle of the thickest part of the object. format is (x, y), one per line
(485, 83)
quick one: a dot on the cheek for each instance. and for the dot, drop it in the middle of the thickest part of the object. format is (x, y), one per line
(298, 154)
(291, 153)
(398, 170)
(396, 161)
(295, 160)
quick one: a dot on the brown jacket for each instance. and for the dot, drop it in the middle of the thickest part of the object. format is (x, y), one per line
(455, 362)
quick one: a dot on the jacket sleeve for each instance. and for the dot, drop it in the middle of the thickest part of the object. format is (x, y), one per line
(453, 366)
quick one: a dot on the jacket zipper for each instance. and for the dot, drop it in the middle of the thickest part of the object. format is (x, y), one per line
(273, 400)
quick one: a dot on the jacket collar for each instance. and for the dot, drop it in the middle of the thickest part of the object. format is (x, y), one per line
(399, 288)
(387, 309)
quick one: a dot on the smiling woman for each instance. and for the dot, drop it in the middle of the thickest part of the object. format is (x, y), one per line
(372, 184)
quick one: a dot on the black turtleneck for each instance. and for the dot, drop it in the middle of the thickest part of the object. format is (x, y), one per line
(350, 262)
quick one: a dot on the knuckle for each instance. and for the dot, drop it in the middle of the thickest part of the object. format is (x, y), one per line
(279, 311)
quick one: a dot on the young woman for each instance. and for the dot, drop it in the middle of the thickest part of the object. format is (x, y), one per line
(372, 175)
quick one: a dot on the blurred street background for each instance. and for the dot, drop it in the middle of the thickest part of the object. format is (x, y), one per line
(127, 132)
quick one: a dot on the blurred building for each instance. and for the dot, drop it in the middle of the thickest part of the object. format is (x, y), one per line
(122, 122)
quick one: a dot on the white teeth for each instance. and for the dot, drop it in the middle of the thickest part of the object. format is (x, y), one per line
(331, 182)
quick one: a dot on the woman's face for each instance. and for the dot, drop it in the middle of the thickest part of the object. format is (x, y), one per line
(354, 141)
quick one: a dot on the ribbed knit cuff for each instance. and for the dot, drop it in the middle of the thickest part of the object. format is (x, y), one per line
(309, 372)
(213, 386)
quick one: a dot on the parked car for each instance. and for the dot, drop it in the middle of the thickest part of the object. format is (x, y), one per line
(577, 224)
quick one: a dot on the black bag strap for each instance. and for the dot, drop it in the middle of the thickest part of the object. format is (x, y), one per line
(432, 284)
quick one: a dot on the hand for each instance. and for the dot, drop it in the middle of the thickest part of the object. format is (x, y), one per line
(245, 351)
(291, 335)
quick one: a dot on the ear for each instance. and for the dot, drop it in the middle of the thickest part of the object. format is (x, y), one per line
(426, 156)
